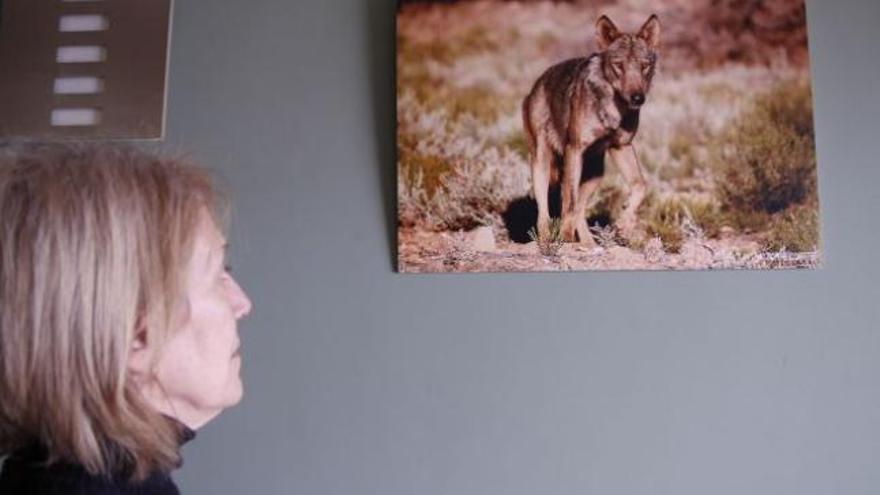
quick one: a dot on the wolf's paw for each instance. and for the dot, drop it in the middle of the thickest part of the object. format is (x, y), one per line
(585, 237)
(568, 230)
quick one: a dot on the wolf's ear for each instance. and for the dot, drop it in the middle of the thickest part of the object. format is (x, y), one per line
(650, 32)
(606, 32)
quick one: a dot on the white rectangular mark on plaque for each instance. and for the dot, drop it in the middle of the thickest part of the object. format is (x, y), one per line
(82, 23)
(83, 85)
(80, 54)
(75, 117)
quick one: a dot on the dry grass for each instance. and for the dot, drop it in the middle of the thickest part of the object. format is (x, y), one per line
(552, 244)
(677, 218)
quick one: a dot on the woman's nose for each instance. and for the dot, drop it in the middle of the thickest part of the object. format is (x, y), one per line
(241, 303)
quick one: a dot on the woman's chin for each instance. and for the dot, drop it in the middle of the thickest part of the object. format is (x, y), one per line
(237, 391)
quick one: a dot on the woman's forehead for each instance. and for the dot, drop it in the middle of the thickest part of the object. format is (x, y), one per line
(208, 228)
(208, 242)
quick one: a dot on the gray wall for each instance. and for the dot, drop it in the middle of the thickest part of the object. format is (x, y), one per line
(362, 381)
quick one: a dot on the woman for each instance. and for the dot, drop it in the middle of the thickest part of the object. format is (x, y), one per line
(118, 318)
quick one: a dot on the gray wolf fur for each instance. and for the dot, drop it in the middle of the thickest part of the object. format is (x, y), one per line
(590, 103)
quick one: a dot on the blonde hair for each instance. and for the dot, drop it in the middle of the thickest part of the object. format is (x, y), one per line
(93, 241)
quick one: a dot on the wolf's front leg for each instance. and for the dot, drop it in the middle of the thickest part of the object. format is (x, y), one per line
(571, 178)
(628, 164)
(609, 114)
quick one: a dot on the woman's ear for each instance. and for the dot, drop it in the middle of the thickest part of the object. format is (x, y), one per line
(139, 353)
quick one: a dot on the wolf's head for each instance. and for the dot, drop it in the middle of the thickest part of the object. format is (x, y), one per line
(629, 60)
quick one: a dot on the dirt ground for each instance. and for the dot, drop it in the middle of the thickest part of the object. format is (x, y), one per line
(480, 251)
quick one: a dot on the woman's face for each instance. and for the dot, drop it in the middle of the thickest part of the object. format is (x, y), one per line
(198, 367)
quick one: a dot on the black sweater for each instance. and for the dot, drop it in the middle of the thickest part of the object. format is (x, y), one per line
(25, 473)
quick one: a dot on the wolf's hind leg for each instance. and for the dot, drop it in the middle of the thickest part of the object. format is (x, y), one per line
(585, 192)
(542, 159)
(571, 178)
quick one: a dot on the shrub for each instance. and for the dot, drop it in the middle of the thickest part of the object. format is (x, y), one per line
(675, 219)
(664, 220)
(766, 166)
(795, 230)
(472, 194)
(766, 160)
(427, 168)
(553, 243)
(448, 178)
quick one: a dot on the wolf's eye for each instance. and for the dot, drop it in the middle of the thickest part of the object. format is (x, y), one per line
(618, 67)
(646, 68)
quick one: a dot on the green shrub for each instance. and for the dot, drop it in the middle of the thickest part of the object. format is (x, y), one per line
(516, 142)
(553, 243)
(664, 220)
(708, 216)
(430, 168)
(482, 103)
(795, 229)
(444, 51)
(674, 219)
(766, 170)
(413, 59)
(766, 160)
(680, 146)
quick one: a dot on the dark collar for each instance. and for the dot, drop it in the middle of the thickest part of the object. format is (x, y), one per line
(185, 434)
(38, 453)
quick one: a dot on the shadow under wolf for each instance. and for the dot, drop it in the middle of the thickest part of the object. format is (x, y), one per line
(521, 214)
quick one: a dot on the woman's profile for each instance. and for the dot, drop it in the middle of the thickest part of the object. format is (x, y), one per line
(118, 317)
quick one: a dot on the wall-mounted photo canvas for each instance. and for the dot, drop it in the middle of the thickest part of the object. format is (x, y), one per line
(605, 135)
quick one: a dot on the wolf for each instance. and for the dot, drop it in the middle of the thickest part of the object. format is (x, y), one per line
(587, 107)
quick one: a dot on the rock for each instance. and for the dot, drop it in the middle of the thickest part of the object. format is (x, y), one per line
(695, 254)
(622, 258)
(481, 239)
(654, 252)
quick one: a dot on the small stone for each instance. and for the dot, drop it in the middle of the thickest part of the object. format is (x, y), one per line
(482, 239)
(654, 252)
(619, 257)
(695, 254)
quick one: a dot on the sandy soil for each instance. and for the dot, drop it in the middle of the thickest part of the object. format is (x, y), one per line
(482, 250)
